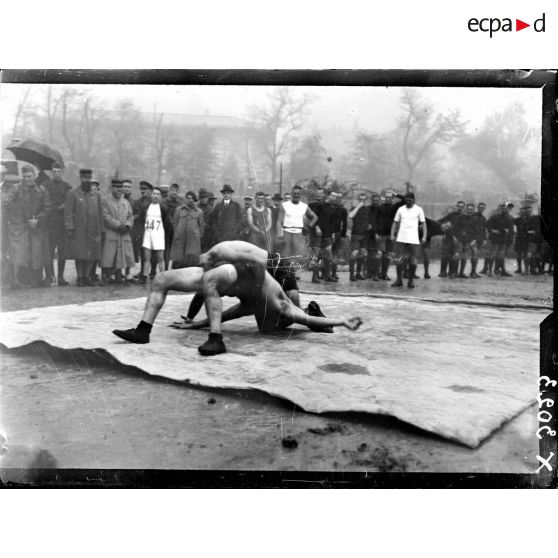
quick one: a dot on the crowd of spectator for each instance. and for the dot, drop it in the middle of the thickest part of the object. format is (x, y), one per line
(109, 235)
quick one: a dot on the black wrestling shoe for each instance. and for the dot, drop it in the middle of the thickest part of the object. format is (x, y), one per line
(213, 346)
(313, 309)
(132, 335)
(398, 283)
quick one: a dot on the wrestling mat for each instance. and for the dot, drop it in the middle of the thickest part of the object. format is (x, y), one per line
(458, 371)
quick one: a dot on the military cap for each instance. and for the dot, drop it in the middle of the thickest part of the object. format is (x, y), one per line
(116, 182)
(277, 197)
(85, 173)
(227, 188)
(146, 184)
(164, 187)
(248, 198)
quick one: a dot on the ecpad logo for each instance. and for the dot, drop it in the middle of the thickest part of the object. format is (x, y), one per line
(492, 25)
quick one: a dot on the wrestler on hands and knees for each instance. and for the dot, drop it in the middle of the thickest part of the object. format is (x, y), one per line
(246, 278)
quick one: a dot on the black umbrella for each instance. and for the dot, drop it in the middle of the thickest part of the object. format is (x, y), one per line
(36, 153)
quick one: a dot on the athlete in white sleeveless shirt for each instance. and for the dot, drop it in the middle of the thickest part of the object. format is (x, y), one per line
(154, 235)
(290, 224)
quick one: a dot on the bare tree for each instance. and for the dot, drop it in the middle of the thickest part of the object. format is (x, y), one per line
(279, 120)
(51, 108)
(422, 129)
(160, 146)
(19, 112)
(66, 100)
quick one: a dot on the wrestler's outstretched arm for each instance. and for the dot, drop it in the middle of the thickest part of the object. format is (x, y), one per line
(280, 302)
(294, 313)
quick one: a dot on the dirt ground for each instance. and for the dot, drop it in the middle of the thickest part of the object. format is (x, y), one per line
(80, 413)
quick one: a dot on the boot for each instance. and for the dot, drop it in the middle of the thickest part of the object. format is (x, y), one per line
(352, 270)
(426, 266)
(503, 271)
(411, 282)
(484, 269)
(474, 274)
(213, 346)
(518, 270)
(359, 275)
(327, 272)
(443, 267)
(377, 269)
(527, 268)
(452, 268)
(370, 267)
(489, 263)
(139, 335)
(334, 271)
(315, 278)
(399, 281)
(462, 264)
(385, 268)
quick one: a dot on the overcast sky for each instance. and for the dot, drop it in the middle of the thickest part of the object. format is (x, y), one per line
(370, 108)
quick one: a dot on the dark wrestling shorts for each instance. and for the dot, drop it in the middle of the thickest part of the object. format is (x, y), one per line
(250, 278)
(282, 272)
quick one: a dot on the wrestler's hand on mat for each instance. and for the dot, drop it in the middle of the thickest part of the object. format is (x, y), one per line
(188, 324)
(352, 323)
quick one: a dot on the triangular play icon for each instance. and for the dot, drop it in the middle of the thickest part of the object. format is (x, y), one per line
(519, 25)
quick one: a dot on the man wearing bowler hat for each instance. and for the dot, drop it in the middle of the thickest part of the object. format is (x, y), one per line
(83, 219)
(227, 219)
(57, 189)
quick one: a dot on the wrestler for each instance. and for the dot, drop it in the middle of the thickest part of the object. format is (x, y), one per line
(259, 294)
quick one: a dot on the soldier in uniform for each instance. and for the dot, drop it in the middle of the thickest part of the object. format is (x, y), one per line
(188, 226)
(532, 232)
(206, 208)
(26, 215)
(321, 237)
(57, 190)
(83, 218)
(466, 233)
(373, 254)
(7, 191)
(361, 227)
(173, 199)
(500, 233)
(520, 238)
(339, 218)
(118, 253)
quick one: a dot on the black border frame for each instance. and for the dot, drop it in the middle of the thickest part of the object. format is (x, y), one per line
(155, 478)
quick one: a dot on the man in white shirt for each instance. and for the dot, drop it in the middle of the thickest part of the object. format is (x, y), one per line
(405, 233)
(291, 223)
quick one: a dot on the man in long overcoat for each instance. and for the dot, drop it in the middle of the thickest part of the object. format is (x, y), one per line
(83, 218)
(118, 253)
(188, 232)
(57, 190)
(26, 214)
(227, 219)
